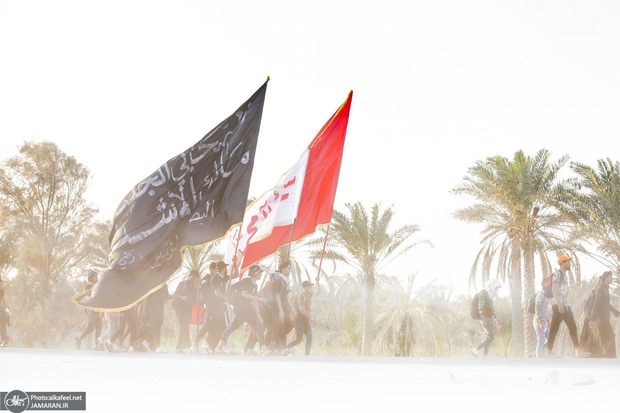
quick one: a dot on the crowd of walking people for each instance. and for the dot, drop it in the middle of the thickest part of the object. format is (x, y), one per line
(218, 308)
(597, 337)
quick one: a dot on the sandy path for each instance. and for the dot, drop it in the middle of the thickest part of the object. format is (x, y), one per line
(170, 382)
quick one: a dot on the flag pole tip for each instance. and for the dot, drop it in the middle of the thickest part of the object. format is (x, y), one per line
(268, 78)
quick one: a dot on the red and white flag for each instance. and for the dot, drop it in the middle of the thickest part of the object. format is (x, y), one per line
(275, 208)
(303, 198)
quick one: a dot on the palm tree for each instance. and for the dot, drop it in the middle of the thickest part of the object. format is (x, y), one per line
(423, 319)
(335, 309)
(592, 203)
(363, 242)
(398, 323)
(198, 258)
(300, 255)
(515, 201)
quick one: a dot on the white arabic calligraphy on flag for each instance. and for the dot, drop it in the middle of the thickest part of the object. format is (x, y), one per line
(194, 198)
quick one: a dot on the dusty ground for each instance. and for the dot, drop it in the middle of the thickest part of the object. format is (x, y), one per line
(174, 382)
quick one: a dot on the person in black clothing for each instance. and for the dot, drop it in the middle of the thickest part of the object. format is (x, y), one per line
(128, 326)
(204, 294)
(487, 315)
(601, 340)
(185, 296)
(154, 317)
(94, 318)
(137, 339)
(304, 320)
(217, 317)
(266, 312)
(4, 318)
(245, 301)
(282, 309)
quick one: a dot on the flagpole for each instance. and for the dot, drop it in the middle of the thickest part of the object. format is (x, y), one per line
(322, 254)
(236, 251)
(290, 241)
(231, 272)
(235, 258)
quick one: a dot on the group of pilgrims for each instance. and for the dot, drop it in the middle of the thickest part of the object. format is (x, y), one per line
(218, 308)
(597, 339)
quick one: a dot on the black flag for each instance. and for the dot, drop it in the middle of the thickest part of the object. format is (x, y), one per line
(192, 199)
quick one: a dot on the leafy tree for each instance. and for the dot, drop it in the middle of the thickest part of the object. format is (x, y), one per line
(515, 203)
(42, 198)
(363, 241)
(7, 259)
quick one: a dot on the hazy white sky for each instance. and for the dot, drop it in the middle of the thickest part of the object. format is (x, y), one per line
(126, 85)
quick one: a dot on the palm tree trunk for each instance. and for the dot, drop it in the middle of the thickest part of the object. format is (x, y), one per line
(529, 291)
(368, 318)
(516, 309)
(545, 266)
(401, 339)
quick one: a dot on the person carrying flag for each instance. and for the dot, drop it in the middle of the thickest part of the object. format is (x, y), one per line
(283, 309)
(245, 301)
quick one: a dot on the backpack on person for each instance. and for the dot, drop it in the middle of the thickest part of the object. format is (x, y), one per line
(531, 306)
(589, 303)
(473, 307)
(547, 286)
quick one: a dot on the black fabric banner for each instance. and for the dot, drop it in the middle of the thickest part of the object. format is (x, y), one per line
(192, 199)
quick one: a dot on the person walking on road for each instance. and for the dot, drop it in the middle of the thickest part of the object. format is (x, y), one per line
(601, 338)
(487, 316)
(561, 309)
